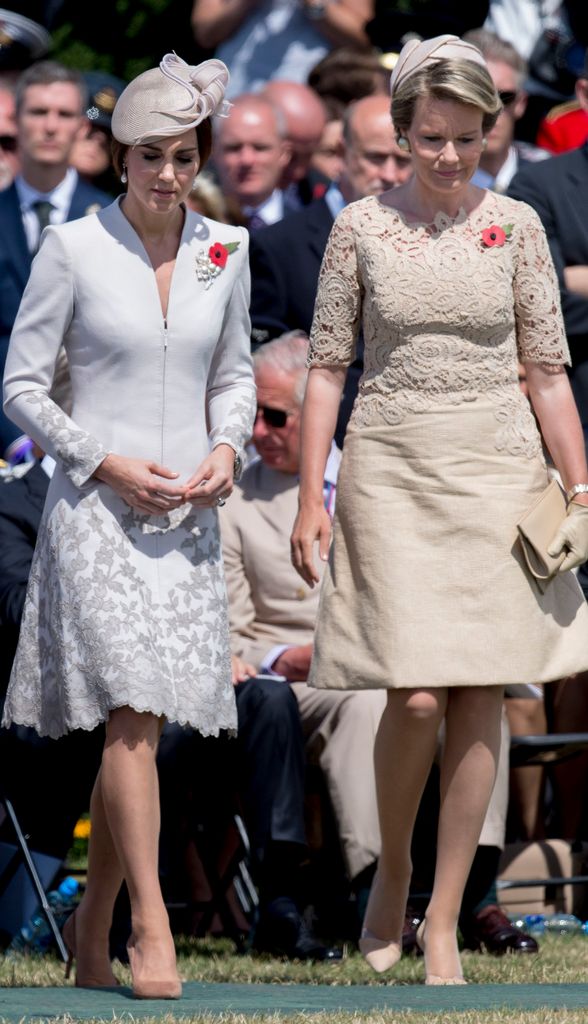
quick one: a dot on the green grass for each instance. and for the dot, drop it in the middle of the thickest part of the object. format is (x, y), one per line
(561, 960)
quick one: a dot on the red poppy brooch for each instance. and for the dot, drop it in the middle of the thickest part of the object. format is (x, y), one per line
(496, 235)
(210, 262)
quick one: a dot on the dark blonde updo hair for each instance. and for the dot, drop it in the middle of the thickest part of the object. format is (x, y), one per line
(462, 81)
(203, 139)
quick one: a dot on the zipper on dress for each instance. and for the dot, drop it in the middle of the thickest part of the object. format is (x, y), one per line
(163, 384)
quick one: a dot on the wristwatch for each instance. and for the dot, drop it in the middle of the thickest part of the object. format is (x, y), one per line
(576, 489)
(238, 467)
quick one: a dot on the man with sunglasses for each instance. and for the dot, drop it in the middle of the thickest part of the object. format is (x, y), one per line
(504, 155)
(282, 721)
(50, 100)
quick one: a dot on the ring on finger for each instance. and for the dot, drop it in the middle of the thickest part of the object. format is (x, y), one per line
(220, 502)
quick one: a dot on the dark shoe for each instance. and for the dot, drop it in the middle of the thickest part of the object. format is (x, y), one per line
(412, 920)
(491, 930)
(282, 931)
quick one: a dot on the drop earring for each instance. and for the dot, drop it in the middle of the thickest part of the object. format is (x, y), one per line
(484, 143)
(123, 176)
(403, 144)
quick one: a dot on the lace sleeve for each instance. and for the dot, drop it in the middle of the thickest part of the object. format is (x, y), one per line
(337, 310)
(541, 336)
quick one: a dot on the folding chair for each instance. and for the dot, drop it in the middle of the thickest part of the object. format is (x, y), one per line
(22, 854)
(546, 750)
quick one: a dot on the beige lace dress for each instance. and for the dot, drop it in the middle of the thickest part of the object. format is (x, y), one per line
(426, 583)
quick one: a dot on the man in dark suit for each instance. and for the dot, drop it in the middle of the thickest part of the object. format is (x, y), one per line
(286, 258)
(558, 191)
(50, 103)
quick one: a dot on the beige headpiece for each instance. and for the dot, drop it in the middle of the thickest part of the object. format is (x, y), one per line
(416, 54)
(169, 100)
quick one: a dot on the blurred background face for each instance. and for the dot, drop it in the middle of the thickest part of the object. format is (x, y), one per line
(328, 157)
(9, 163)
(49, 121)
(90, 154)
(250, 155)
(374, 162)
(507, 83)
(278, 447)
(305, 118)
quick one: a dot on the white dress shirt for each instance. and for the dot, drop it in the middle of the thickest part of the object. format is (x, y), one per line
(60, 198)
(270, 211)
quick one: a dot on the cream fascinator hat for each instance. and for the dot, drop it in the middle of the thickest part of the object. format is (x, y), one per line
(417, 54)
(170, 99)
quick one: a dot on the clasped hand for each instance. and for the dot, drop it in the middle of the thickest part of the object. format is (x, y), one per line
(144, 487)
(572, 537)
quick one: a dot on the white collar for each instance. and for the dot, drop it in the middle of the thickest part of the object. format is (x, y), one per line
(271, 210)
(334, 200)
(60, 197)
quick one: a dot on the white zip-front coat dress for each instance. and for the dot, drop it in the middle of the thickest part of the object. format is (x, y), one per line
(125, 608)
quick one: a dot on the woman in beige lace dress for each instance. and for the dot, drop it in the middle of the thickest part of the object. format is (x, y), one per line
(427, 594)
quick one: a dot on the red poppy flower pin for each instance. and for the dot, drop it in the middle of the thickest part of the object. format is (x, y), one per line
(496, 235)
(210, 262)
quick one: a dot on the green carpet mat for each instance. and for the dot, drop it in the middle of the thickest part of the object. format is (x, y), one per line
(28, 1004)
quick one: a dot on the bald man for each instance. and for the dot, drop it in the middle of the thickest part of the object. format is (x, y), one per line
(305, 118)
(286, 259)
(251, 154)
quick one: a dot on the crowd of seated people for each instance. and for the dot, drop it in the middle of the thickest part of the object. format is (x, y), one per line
(309, 132)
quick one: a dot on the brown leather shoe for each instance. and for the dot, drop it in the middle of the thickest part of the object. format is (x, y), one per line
(491, 930)
(412, 920)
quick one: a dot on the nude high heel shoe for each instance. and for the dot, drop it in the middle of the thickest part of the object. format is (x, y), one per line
(435, 979)
(68, 933)
(150, 989)
(380, 954)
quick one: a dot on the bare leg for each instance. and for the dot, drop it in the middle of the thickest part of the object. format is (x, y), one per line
(569, 713)
(130, 792)
(526, 716)
(94, 914)
(403, 754)
(468, 772)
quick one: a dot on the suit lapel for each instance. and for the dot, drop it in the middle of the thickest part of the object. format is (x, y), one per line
(319, 222)
(14, 233)
(82, 202)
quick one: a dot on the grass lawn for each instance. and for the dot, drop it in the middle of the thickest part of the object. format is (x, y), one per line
(561, 960)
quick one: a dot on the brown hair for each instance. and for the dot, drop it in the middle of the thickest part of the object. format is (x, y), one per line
(118, 149)
(462, 81)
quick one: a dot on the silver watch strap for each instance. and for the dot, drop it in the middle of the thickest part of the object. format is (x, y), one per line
(576, 489)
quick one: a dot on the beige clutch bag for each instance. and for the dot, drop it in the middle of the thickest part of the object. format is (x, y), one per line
(537, 528)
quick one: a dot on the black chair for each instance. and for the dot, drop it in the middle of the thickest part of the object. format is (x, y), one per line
(22, 854)
(545, 750)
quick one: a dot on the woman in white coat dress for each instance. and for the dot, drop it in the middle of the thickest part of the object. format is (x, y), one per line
(125, 619)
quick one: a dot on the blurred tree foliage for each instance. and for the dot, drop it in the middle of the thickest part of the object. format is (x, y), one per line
(123, 37)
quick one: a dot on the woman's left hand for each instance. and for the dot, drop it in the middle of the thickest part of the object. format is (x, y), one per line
(572, 536)
(213, 479)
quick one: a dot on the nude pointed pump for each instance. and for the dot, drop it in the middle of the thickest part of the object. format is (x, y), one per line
(68, 933)
(151, 989)
(380, 954)
(435, 979)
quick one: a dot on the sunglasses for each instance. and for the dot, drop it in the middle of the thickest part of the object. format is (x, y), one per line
(8, 143)
(273, 417)
(507, 97)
